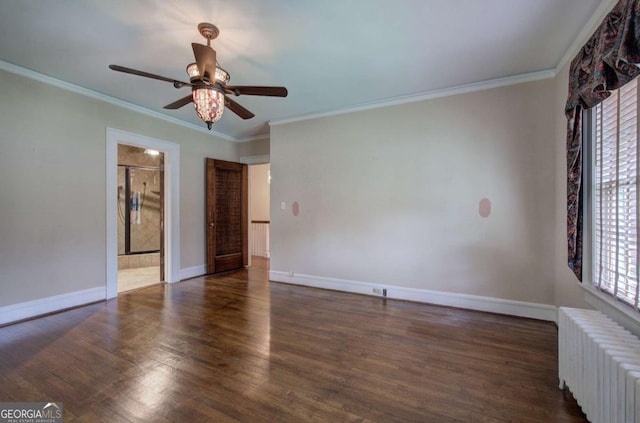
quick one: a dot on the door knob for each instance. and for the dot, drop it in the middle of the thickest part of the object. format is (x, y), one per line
(211, 225)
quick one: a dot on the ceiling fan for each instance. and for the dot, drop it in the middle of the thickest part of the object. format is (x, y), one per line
(208, 81)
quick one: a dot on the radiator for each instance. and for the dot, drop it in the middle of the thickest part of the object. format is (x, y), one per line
(599, 362)
(260, 239)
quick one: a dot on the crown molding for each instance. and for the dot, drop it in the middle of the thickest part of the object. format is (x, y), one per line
(31, 74)
(586, 32)
(603, 9)
(427, 95)
(254, 138)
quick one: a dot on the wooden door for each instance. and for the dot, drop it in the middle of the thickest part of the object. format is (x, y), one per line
(227, 215)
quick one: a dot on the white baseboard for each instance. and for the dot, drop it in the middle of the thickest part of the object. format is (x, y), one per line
(192, 272)
(29, 309)
(472, 302)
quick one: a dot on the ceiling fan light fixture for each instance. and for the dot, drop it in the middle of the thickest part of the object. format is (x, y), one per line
(208, 83)
(221, 75)
(209, 104)
(193, 72)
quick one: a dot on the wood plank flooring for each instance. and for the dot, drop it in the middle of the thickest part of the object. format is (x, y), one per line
(236, 348)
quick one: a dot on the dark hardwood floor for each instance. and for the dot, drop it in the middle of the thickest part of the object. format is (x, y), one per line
(236, 348)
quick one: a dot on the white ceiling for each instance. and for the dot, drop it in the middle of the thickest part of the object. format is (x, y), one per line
(331, 54)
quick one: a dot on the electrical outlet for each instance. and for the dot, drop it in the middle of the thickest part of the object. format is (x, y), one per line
(377, 291)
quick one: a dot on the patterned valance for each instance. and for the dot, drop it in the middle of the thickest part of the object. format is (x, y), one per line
(605, 63)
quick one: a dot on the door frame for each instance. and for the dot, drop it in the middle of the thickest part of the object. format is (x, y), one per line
(253, 160)
(171, 204)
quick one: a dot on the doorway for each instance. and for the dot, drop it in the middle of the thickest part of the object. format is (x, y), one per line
(171, 218)
(140, 217)
(259, 214)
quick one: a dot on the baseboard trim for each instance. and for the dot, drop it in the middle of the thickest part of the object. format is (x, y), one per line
(29, 309)
(473, 302)
(192, 272)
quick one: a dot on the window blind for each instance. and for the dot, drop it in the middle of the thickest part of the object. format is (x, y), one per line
(615, 208)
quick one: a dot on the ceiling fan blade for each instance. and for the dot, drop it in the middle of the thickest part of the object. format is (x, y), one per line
(179, 103)
(175, 82)
(254, 90)
(238, 109)
(205, 59)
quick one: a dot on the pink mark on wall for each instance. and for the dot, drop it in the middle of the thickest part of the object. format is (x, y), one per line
(295, 208)
(484, 207)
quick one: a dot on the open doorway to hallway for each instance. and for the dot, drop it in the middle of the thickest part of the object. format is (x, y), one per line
(140, 203)
(259, 203)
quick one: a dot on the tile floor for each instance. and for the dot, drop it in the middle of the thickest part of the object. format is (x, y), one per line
(129, 279)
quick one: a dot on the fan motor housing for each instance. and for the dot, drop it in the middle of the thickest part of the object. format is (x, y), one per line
(208, 31)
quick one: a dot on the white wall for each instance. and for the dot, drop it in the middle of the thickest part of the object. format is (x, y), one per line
(52, 187)
(391, 195)
(386, 196)
(254, 148)
(259, 192)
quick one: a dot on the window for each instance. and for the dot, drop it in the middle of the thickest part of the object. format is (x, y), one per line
(614, 200)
